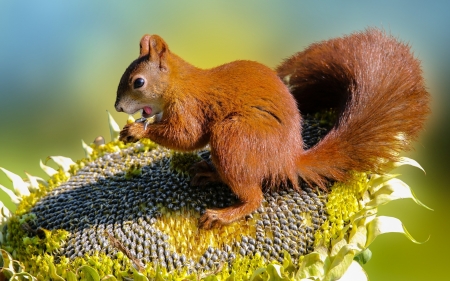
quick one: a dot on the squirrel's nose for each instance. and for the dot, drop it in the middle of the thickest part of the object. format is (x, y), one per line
(118, 108)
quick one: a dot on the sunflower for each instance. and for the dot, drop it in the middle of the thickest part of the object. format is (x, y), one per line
(128, 211)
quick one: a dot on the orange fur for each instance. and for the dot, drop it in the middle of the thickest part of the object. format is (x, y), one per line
(377, 87)
(252, 122)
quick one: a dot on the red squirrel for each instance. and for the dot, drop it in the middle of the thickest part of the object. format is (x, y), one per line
(251, 118)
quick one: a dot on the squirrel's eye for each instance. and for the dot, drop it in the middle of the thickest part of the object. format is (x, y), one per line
(138, 83)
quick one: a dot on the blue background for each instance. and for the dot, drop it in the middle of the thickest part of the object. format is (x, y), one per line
(60, 64)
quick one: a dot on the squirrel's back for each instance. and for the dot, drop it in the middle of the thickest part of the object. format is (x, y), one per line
(376, 87)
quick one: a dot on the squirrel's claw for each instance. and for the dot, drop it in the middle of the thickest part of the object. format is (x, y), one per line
(145, 125)
(141, 120)
(210, 219)
(145, 121)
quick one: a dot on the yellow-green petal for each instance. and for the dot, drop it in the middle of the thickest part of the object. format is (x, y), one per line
(63, 162)
(406, 161)
(20, 186)
(35, 181)
(393, 189)
(23, 276)
(341, 262)
(5, 214)
(276, 273)
(312, 265)
(48, 170)
(13, 197)
(384, 224)
(354, 272)
(88, 273)
(114, 128)
(87, 149)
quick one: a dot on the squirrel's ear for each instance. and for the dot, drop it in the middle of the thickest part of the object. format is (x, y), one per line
(156, 49)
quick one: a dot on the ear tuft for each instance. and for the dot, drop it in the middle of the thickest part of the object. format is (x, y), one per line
(144, 45)
(155, 48)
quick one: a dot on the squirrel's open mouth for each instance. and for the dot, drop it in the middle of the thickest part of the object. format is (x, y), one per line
(151, 116)
(146, 112)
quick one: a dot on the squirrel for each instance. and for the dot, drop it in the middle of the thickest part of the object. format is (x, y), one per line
(249, 114)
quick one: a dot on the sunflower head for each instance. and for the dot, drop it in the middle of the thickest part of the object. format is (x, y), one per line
(128, 211)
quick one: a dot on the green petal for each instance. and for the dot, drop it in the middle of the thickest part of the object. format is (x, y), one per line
(256, 276)
(159, 276)
(276, 273)
(364, 256)
(137, 276)
(71, 276)
(90, 274)
(288, 265)
(109, 278)
(23, 276)
(210, 278)
(7, 261)
(53, 274)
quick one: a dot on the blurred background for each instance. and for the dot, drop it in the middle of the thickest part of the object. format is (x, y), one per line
(60, 64)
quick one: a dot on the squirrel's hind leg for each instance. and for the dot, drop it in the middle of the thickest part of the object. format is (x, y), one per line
(203, 173)
(250, 198)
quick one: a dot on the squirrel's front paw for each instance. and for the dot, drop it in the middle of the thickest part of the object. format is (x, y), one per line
(132, 132)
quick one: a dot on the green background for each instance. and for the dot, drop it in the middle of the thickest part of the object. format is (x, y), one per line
(60, 64)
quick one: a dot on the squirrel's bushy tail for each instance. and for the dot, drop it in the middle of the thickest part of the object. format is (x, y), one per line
(375, 84)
